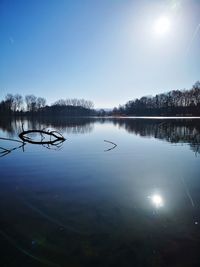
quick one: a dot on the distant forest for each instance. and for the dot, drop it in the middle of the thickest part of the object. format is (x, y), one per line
(173, 103)
(32, 105)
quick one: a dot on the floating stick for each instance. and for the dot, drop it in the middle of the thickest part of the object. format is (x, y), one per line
(114, 145)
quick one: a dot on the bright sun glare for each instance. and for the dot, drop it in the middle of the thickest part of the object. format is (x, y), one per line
(162, 26)
(157, 200)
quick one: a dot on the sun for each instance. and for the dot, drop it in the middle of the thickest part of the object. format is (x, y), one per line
(162, 26)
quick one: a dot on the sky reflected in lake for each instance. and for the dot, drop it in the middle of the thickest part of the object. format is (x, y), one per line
(90, 203)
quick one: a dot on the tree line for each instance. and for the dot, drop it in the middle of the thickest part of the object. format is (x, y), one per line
(15, 103)
(30, 104)
(175, 102)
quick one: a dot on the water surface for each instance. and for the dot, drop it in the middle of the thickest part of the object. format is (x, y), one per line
(85, 203)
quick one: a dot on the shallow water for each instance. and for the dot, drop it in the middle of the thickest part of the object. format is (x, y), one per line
(87, 203)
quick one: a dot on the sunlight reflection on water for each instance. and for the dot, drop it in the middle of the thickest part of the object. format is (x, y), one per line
(157, 200)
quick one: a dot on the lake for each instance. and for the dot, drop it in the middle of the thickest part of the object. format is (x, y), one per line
(88, 202)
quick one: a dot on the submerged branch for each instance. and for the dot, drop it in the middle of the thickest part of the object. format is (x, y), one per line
(58, 137)
(14, 140)
(56, 142)
(6, 151)
(114, 145)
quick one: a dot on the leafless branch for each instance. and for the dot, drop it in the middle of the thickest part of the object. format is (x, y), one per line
(113, 147)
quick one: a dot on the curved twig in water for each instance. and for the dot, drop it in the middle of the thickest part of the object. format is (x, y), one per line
(113, 147)
(58, 137)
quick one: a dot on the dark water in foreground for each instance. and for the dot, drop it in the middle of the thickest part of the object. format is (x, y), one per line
(82, 203)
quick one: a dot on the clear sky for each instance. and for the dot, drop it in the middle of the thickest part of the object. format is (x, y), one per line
(107, 51)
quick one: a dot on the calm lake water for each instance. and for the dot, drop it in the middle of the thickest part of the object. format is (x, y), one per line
(84, 202)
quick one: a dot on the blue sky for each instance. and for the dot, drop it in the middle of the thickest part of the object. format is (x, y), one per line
(103, 50)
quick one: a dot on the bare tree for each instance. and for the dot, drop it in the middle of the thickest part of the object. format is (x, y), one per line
(31, 101)
(41, 102)
(9, 101)
(17, 103)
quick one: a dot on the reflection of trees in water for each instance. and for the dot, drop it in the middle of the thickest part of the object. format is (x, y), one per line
(11, 126)
(64, 125)
(173, 131)
(74, 126)
(36, 129)
(7, 126)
